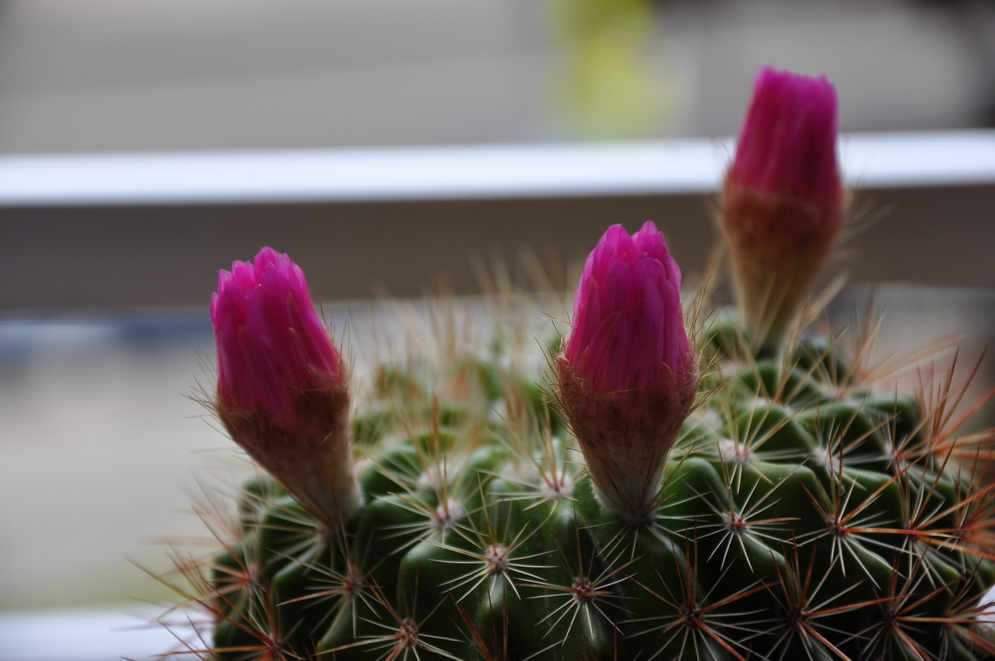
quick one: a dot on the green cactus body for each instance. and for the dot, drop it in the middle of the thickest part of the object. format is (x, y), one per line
(801, 514)
(729, 493)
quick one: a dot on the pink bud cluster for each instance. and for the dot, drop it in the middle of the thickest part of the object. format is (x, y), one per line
(783, 201)
(271, 343)
(628, 373)
(627, 319)
(281, 390)
(788, 142)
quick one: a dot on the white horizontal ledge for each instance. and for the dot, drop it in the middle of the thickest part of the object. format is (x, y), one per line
(426, 173)
(463, 172)
(94, 634)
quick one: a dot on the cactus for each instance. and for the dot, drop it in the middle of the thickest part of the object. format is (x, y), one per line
(734, 486)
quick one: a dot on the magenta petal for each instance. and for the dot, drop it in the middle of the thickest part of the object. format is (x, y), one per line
(628, 325)
(271, 342)
(788, 141)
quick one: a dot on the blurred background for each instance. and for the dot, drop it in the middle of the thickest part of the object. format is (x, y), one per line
(138, 75)
(103, 317)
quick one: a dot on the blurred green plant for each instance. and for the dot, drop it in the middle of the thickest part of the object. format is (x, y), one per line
(608, 84)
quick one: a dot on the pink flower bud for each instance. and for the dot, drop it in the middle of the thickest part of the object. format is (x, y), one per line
(783, 201)
(628, 373)
(281, 390)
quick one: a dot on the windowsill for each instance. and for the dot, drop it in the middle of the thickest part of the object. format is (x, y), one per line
(879, 160)
(149, 230)
(85, 634)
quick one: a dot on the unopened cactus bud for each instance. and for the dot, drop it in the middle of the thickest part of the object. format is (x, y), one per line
(783, 201)
(627, 373)
(282, 392)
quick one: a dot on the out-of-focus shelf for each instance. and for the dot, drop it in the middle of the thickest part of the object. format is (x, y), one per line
(87, 634)
(872, 161)
(119, 230)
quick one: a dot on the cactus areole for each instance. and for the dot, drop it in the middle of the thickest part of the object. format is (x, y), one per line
(676, 491)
